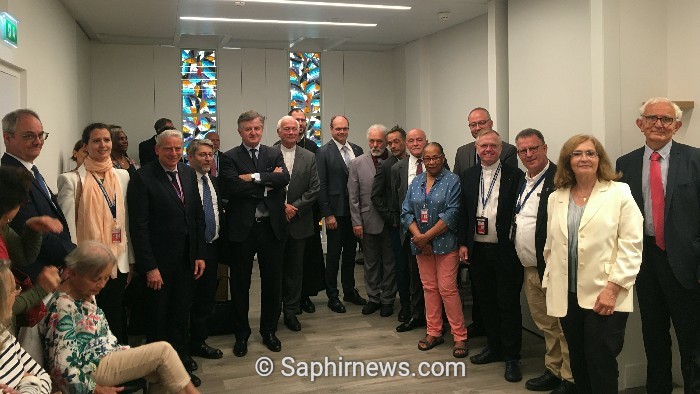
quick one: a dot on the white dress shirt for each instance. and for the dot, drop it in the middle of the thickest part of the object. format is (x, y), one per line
(413, 167)
(526, 220)
(491, 208)
(214, 200)
(350, 152)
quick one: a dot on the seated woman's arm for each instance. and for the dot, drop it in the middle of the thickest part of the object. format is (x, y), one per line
(15, 361)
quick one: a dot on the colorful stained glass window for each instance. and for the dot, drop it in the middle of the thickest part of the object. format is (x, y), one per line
(198, 72)
(305, 90)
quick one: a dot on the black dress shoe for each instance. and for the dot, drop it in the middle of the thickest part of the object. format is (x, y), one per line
(545, 382)
(298, 311)
(205, 351)
(335, 305)
(196, 382)
(355, 298)
(292, 323)
(272, 342)
(485, 357)
(565, 387)
(371, 307)
(475, 330)
(307, 305)
(189, 364)
(404, 313)
(240, 348)
(387, 310)
(512, 373)
(410, 324)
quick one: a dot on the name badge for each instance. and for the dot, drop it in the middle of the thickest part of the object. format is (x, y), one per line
(424, 215)
(482, 225)
(116, 235)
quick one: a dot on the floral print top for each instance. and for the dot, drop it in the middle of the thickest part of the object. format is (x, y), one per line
(77, 337)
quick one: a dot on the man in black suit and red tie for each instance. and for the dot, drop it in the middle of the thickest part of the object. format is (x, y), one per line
(253, 178)
(24, 138)
(166, 220)
(664, 177)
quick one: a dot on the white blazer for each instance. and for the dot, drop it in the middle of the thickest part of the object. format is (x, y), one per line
(67, 187)
(609, 247)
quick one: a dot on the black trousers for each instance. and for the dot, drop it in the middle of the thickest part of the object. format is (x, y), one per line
(340, 241)
(293, 274)
(498, 278)
(204, 296)
(594, 343)
(260, 240)
(403, 276)
(111, 301)
(662, 299)
(416, 286)
(314, 266)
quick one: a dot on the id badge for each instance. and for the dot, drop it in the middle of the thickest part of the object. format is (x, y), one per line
(116, 235)
(482, 225)
(424, 215)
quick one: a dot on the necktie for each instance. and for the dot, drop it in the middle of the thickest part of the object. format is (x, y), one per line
(41, 181)
(254, 156)
(173, 180)
(346, 155)
(419, 166)
(214, 164)
(657, 199)
(209, 219)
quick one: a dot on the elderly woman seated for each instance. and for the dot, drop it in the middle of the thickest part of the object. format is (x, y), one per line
(81, 352)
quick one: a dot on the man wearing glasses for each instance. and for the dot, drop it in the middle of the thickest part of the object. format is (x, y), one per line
(24, 137)
(664, 178)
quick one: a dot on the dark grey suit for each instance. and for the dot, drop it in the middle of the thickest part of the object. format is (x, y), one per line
(466, 157)
(667, 283)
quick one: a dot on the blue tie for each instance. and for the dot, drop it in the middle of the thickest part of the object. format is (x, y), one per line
(209, 219)
(41, 181)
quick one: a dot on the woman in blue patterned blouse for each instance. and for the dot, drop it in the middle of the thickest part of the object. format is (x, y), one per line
(430, 213)
(82, 354)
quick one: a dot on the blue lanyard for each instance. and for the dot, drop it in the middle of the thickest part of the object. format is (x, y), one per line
(111, 204)
(520, 204)
(493, 182)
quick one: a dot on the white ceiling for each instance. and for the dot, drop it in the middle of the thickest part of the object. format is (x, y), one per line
(157, 22)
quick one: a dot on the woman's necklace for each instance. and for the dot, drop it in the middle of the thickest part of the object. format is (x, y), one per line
(581, 196)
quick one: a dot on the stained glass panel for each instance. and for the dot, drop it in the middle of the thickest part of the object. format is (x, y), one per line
(305, 90)
(198, 74)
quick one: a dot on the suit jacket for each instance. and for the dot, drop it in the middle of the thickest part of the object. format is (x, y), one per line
(147, 151)
(69, 184)
(362, 211)
(507, 196)
(302, 193)
(164, 231)
(399, 187)
(244, 196)
(466, 157)
(219, 246)
(333, 177)
(381, 191)
(609, 247)
(54, 247)
(682, 210)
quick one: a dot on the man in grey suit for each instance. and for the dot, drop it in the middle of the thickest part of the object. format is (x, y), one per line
(302, 192)
(664, 177)
(369, 226)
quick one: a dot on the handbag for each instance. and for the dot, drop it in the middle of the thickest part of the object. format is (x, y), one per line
(34, 314)
(220, 322)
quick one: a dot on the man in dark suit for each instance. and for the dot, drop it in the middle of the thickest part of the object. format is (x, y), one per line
(200, 154)
(302, 140)
(664, 177)
(253, 178)
(530, 235)
(166, 220)
(402, 173)
(24, 138)
(215, 139)
(302, 193)
(332, 161)
(147, 152)
(489, 192)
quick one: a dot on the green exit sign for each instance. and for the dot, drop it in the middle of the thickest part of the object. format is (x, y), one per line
(9, 29)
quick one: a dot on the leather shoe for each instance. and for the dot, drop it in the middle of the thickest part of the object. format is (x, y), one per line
(292, 323)
(298, 311)
(485, 357)
(387, 310)
(404, 313)
(335, 305)
(272, 342)
(546, 382)
(512, 373)
(240, 348)
(189, 364)
(307, 305)
(205, 351)
(355, 298)
(370, 308)
(475, 330)
(410, 324)
(565, 387)
(196, 382)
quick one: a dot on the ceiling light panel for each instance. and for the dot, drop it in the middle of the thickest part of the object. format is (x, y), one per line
(330, 4)
(276, 21)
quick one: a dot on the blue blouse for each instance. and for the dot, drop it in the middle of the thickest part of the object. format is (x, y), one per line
(442, 202)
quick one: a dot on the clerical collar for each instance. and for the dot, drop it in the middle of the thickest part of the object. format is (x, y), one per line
(492, 166)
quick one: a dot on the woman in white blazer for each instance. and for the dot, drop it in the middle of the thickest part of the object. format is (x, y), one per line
(593, 254)
(93, 199)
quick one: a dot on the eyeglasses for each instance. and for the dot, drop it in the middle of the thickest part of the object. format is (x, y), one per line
(650, 120)
(487, 146)
(29, 137)
(531, 149)
(432, 159)
(580, 153)
(205, 154)
(480, 123)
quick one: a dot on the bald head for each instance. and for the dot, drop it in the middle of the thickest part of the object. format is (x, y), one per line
(416, 141)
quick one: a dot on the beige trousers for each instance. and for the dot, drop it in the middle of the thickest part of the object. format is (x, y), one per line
(556, 357)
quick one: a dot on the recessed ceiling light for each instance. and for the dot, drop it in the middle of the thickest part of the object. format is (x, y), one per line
(329, 4)
(283, 22)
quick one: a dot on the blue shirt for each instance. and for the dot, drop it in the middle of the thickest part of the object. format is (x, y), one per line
(442, 202)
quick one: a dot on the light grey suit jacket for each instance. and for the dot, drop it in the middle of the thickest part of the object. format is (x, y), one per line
(302, 192)
(360, 179)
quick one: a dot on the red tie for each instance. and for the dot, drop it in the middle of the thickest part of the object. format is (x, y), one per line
(419, 166)
(657, 199)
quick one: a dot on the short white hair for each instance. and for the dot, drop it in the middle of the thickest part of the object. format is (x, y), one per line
(286, 117)
(380, 127)
(484, 132)
(656, 100)
(167, 134)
